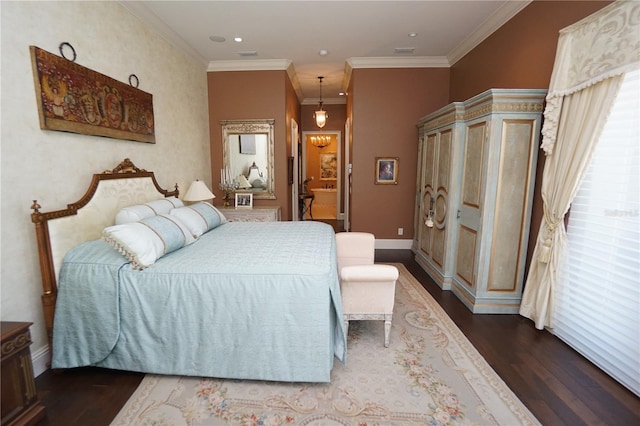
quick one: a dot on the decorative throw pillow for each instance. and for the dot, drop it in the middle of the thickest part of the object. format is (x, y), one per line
(146, 241)
(138, 212)
(199, 218)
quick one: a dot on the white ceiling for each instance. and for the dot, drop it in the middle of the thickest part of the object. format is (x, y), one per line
(356, 34)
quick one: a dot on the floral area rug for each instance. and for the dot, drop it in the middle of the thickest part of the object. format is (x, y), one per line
(430, 374)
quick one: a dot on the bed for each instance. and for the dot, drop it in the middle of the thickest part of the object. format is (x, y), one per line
(243, 300)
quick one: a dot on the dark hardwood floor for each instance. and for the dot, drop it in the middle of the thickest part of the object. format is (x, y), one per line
(557, 384)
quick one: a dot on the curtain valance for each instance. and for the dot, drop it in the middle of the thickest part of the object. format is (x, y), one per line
(600, 46)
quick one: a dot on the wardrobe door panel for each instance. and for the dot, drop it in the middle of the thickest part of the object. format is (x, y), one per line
(466, 255)
(509, 245)
(473, 162)
(429, 166)
(444, 159)
(469, 214)
(440, 199)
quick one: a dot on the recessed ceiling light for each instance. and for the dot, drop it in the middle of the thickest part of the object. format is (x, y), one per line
(237, 39)
(323, 52)
(217, 39)
(412, 34)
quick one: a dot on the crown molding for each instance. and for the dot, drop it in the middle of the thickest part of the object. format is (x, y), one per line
(393, 62)
(293, 77)
(250, 65)
(500, 17)
(341, 100)
(346, 76)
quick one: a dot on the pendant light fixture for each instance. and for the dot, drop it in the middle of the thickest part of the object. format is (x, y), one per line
(321, 115)
(320, 141)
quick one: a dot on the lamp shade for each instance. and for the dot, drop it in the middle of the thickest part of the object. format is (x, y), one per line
(243, 183)
(198, 191)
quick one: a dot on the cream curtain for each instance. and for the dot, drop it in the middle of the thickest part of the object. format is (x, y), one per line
(591, 58)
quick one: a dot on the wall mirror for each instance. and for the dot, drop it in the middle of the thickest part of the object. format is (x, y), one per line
(248, 149)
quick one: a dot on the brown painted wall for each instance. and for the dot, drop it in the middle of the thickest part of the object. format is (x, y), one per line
(335, 120)
(236, 95)
(520, 54)
(387, 104)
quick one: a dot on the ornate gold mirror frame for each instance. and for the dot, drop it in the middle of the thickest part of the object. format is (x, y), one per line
(247, 144)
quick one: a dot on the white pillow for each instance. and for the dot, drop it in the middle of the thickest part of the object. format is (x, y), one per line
(138, 212)
(146, 241)
(199, 218)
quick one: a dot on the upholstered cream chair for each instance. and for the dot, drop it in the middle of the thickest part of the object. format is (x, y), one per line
(368, 290)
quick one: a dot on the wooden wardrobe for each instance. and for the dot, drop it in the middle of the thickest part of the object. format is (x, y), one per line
(474, 191)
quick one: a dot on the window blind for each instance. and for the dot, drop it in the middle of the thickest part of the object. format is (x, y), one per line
(597, 298)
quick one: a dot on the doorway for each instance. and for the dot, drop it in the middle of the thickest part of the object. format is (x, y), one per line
(321, 160)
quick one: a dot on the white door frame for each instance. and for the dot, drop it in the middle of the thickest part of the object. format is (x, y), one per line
(347, 174)
(295, 186)
(303, 161)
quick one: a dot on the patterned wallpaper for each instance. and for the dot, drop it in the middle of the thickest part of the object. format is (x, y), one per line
(55, 167)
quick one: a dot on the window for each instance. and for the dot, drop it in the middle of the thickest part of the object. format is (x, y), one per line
(597, 298)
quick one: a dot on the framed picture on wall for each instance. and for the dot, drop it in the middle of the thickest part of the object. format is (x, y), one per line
(386, 171)
(328, 166)
(244, 200)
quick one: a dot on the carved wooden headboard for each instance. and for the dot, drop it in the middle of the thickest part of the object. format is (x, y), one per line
(59, 231)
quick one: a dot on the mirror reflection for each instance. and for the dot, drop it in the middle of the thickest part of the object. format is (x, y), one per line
(248, 156)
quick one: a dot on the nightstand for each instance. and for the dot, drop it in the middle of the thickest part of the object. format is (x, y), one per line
(256, 214)
(20, 404)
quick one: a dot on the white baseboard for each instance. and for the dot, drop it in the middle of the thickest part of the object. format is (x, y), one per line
(394, 244)
(40, 359)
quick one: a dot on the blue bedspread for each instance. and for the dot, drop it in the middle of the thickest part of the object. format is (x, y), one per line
(247, 300)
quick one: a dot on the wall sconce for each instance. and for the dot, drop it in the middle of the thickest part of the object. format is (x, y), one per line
(429, 221)
(321, 115)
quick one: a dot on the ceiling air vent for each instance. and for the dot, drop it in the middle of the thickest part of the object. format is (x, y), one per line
(404, 49)
(248, 53)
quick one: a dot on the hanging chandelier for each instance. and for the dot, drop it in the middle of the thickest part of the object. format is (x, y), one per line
(320, 141)
(320, 115)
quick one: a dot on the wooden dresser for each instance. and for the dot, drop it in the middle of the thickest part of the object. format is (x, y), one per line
(20, 404)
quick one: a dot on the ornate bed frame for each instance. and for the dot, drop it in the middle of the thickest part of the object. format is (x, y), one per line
(59, 231)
